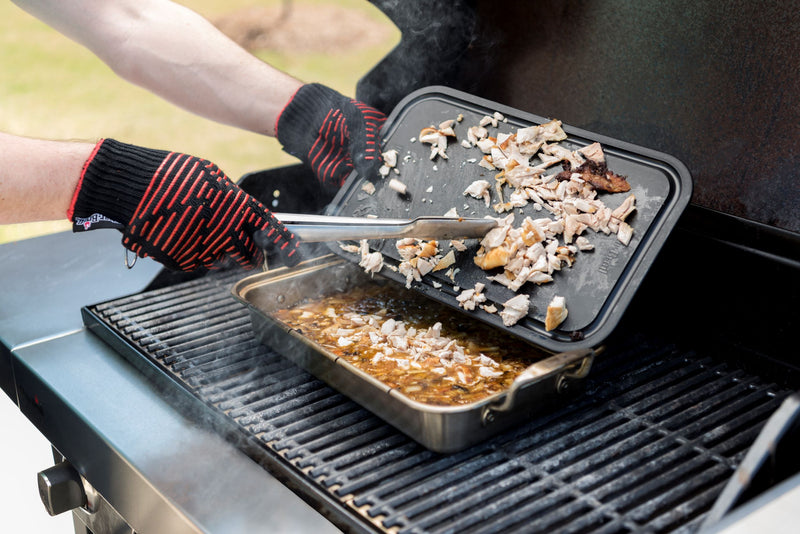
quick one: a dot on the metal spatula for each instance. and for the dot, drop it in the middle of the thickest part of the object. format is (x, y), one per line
(319, 228)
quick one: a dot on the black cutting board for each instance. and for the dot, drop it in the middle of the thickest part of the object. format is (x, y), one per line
(599, 285)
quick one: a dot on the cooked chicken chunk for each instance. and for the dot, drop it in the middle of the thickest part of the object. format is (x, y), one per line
(599, 176)
(479, 189)
(556, 313)
(515, 309)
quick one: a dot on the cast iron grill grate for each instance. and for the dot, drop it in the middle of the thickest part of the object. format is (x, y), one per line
(647, 448)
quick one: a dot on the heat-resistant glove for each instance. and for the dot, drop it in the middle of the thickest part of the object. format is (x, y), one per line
(178, 209)
(331, 133)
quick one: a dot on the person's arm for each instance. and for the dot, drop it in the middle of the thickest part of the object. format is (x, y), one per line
(179, 209)
(177, 54)
(38, 177)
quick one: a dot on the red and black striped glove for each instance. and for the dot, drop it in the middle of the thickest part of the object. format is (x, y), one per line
(331, 133)
(178, 209)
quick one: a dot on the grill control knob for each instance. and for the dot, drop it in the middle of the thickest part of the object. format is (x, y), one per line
(61, 488)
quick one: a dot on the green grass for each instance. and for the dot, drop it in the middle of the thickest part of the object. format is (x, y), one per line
(55, 89)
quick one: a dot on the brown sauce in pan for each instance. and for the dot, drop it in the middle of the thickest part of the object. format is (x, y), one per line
(428, 352)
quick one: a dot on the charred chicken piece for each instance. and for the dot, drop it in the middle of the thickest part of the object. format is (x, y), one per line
(598, 175)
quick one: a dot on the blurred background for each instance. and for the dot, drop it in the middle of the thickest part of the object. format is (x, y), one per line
(53, 88)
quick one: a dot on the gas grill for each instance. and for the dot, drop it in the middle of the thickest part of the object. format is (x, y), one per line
(648, 447)
(172, 416)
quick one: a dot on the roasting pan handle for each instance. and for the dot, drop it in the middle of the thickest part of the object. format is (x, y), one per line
(559, 368)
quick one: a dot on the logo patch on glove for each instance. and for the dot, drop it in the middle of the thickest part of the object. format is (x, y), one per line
(93, 222)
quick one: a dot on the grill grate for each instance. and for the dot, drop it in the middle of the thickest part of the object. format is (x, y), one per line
(648, 446)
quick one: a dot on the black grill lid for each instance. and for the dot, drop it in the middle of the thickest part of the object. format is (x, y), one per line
(599, 285)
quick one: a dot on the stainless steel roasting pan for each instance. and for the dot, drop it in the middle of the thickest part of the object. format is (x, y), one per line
(445, 429)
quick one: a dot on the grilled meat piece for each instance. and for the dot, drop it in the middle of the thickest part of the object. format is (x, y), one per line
(596, 174)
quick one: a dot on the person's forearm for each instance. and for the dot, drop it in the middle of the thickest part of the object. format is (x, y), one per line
(38, 178)
(177, 54)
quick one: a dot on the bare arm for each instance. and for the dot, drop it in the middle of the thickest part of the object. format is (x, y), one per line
(38, 178)
(177, 54)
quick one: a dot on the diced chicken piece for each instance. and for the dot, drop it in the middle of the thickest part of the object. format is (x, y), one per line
(491, 259)
(583, 244)
(398, 186)
(437, 138)
(345, 341)
(372, 262)
(479, 189)
(353, 249)
(532, 138)
(487, 120)
(458, 245)
(441, 146)
(562, 154)
(390, 158)
(556, 313)
(486, 144)
(497, 235)
(424, 266)
(535, 252)
(625, 233)
(531, 233)
(566, 255)
(499, 158)
(476, 133)
(572, 228)
(585, 206)
(469, 298)
(452, 212)
(486, 163)
(594, 152)
(599, 176)
(515, 309)
(552, 131)
(407, 270)
(408, 248)
(429, 135)
(538, 278)
(626, 208)
(368, 188)
(518, 199)
(428, 249)
(488, 373)
(448, 260)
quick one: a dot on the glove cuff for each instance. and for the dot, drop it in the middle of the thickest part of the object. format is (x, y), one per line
(112, 184)
(299, 123)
